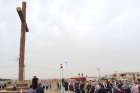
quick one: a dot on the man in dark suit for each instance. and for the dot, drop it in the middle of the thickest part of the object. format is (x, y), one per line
(35, 82)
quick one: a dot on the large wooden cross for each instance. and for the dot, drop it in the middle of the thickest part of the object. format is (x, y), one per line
(24, 29)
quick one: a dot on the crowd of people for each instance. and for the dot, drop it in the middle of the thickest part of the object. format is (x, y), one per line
(102, 86)
(2, 85)
(83, 86)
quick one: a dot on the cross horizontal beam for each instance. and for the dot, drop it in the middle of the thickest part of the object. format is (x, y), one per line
(19, 10)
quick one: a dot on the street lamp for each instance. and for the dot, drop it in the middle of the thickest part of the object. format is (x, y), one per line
(99, 73)
(61, 77)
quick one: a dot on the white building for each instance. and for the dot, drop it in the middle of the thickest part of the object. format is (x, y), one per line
(126, 75)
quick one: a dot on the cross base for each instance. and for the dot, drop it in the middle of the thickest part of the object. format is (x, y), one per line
(20, 85)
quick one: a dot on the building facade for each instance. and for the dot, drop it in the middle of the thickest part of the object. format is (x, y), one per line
(126, 75)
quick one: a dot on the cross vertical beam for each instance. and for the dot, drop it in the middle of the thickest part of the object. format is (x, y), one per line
(22, 44)
(24, 29)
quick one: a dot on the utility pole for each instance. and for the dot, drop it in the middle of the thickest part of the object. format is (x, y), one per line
(99, 73)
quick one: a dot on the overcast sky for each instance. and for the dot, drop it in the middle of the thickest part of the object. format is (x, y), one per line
(81, 34)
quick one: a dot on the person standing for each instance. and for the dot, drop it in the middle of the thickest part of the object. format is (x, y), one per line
(66, 86)
(40, 89)
(88, 87)
(77, 87)
(35, 82)
(82, 87)
(92, 90)
(134, 88)
(102, 89)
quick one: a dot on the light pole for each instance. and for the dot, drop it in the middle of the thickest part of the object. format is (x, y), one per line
(61, 77)
(99, 73)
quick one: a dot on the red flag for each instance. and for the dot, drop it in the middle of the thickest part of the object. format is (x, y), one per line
(61, 66)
